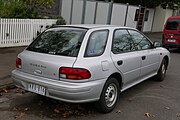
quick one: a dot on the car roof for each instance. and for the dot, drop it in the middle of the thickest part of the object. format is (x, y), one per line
(174, 17)
(91, 26)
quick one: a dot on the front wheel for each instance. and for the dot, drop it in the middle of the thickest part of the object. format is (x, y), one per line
(162, 71)
(109, 96)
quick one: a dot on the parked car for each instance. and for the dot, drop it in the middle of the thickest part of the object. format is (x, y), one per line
(171, 33)
(86, 63)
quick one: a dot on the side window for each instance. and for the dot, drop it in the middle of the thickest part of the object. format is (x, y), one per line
(140, 41)
(96, 43)
(122, 42)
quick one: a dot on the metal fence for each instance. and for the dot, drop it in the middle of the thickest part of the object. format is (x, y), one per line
(20, 32)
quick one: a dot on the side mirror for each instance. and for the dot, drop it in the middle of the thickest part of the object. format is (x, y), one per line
(156, 44)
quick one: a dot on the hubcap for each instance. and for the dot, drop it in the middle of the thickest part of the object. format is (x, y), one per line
(111, 95)
(163, 69)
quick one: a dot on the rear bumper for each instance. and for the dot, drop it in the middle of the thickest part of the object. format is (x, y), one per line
(172, 45)
(61, 90)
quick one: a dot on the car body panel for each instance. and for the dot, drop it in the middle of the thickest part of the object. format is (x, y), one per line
(151, 62)
(130, 68)
(43, 64)
(74, 92)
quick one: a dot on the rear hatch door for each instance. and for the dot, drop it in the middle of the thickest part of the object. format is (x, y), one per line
(43, 64)
(54, 48)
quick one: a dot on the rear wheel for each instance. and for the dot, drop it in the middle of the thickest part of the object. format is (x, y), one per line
(162, 71)
(109, 96)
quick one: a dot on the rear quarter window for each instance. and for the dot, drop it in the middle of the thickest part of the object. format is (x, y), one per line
(96, 43)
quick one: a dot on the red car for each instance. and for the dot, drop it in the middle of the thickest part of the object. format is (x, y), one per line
(171, 33)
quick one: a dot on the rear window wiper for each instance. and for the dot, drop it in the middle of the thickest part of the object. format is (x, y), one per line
(43, 50)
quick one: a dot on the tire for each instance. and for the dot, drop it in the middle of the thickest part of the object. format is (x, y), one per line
(109, 96)
(162, 71)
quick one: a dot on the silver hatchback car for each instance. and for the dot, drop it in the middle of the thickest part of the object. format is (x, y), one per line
(85, 63)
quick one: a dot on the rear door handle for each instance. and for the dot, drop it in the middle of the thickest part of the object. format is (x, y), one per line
(120, 62)
(143, 57)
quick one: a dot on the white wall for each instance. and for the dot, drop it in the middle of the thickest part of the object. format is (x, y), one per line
(77, 12)
(130, 17)
(102, 13)
(66, 9)
(169, 13)
(148, 24)
(118, 14)
(160, 17)
(90, 10)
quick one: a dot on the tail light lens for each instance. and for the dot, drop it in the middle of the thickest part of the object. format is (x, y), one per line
(18, 63)
(74, 73)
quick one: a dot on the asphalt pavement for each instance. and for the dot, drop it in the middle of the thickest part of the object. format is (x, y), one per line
(7, 64)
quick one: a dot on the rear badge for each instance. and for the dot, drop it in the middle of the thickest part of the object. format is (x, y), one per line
(36, 65)
(38, 71)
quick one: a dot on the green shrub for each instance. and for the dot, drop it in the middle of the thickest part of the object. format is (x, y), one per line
(60, 21)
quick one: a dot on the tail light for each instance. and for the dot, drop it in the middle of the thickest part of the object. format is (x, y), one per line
(18, 63)
(74, 73)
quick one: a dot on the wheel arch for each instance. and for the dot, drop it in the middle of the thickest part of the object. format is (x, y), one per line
(118, 77)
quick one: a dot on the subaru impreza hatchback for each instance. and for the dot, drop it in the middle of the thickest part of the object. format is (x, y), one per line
(86, 63)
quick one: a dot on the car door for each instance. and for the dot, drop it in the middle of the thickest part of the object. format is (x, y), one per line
(150, 56)
(125, 58)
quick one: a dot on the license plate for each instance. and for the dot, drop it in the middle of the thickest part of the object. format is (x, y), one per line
(171, 40)
(36, 89)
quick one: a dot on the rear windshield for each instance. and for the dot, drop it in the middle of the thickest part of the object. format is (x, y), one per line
(172, 24)
(59, 41)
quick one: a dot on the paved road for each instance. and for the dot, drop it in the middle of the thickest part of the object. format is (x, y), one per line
(7, 63)
(149, 100)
